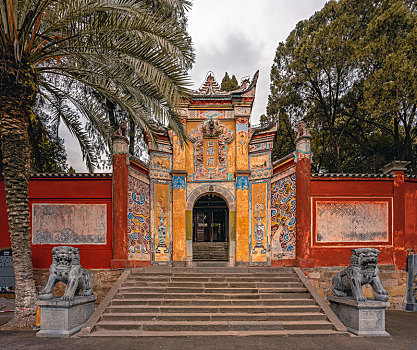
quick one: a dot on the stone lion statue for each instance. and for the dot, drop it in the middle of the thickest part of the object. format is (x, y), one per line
(362, 270)
(66, 268)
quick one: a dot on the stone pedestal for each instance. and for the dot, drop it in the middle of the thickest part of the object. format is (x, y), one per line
(364, 318)
(411, 283)
(64, 318)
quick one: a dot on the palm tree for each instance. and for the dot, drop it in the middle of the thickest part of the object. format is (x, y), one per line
(48, 50)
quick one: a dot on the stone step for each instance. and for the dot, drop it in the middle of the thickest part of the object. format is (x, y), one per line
(189, 309)
(211, 290)
(222, 263)
(212, 274)
(209, 250)
(209, 284)
(174, 278)
(220, 335)
(233, 275)
(209, 243)
(291, 278)
(283, 294)
(240, 271)
(235, 316)
(214, 250)
(211, 302)
(219, 326)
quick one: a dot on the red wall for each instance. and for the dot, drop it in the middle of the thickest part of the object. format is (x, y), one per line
(92, 190)
(403, 227)
(411, 214)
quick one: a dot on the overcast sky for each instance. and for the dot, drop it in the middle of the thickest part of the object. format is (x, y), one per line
(238, 37)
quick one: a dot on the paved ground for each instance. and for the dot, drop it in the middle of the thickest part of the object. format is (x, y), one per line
(401, 325)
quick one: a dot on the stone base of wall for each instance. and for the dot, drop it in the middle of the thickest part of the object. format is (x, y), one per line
(394, 282)
(103, 281)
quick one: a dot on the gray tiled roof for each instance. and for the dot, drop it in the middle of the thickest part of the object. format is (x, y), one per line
(65, 175)
(353, 175)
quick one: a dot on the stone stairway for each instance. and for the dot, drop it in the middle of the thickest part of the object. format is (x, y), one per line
(210, 251)
(207, 301)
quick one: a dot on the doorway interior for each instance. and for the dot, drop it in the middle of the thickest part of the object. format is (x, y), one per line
(210, 228)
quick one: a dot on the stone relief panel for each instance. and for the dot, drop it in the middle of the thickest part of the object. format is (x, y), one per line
(138, 220)
(229, 114)
(54, 223)
(338, 221)
(259, 245)
(283, 218)
(192, 114)
(244, 111)
(211, 139)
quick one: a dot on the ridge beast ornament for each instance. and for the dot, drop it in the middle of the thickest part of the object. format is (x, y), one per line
(66, 268)
(362, 270)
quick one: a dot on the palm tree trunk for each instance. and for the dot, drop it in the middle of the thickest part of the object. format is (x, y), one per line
(17, 97)
(132, 136)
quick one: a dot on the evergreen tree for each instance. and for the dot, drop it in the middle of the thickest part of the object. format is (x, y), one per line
(349, 72)
(229, 84)
(225, 82)
(233, 83)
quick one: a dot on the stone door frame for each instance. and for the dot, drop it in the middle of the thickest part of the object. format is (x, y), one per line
(231, 204)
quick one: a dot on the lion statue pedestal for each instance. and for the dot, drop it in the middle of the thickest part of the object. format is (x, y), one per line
(411, 296)
(361, 316)
(65, 316)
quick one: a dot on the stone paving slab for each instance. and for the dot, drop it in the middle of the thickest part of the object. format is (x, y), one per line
(401, 325)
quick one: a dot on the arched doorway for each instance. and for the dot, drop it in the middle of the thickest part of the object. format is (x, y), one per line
(210, 228)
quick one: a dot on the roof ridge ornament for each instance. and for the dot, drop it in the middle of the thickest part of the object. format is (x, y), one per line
(210, 85)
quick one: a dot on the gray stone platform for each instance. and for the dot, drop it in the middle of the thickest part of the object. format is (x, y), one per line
(411, 296)
(64, 318)
(364, 318)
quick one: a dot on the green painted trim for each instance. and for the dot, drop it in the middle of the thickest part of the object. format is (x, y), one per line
(232, 225)
(189, 225)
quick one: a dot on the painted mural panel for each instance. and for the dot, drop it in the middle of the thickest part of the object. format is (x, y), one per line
(138, 221)
(179, 153)
(259, 232)
(261, 165)
(242, 138)
(162, 229)
(352, 221)
(160, 165)
(54, 223)
(283, 218)
(210, 114)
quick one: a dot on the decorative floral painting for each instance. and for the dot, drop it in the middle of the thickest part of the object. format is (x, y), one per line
(283, 221)
(138, 223)
(259, 236)
(162, 231)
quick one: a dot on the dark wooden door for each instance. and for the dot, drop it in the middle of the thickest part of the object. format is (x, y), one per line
(210, 220)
